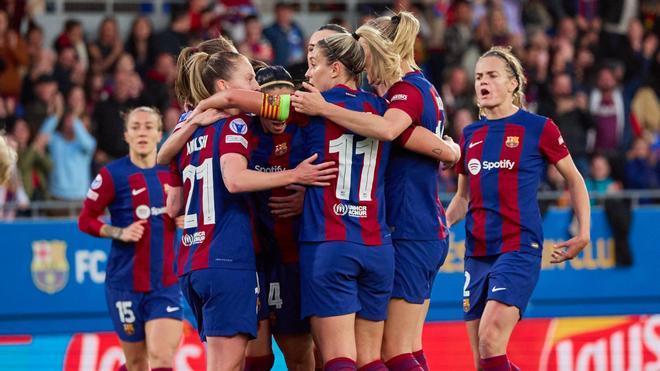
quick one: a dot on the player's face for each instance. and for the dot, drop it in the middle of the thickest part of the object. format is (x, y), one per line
(272, 126)
(492, 84)
(320, 73)
(242, 77)
(142, 133)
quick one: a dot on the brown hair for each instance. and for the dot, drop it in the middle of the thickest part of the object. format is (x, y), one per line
(401, 30)
(181, 84)
(513, 68)
(205, 69)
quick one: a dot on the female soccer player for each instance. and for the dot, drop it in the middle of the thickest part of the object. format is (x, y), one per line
(141, 292)
(504, 155)
(216, 257)
(278, 146)
(414, 212)
(346, 258)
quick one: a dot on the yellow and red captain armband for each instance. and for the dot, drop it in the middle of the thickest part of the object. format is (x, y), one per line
(275, 107)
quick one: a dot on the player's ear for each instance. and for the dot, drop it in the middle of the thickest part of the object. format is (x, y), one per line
(335, 69)
(221, 85)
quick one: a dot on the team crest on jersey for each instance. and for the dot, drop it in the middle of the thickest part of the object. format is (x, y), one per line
(129, 329)
(97, 182)
(512, 142)
(281, 149)
(50, 269)
(238, 126)
(466, 305)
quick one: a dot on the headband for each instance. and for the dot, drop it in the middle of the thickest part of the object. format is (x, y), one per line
(276, 82)
(501, 55)
(355, 36)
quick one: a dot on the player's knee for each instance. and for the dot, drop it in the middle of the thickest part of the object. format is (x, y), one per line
(161, 356)
(489, 340)
(137, 362)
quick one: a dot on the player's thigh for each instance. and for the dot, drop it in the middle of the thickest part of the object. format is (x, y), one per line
(225, 353)
(417, 344)
(495, 328)
(163, 338)
(400, 327)
(472, 328)
(261, 346)
(368, 339)
(335, 336)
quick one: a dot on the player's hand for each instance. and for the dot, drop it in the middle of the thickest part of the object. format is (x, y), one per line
(455, 148)
(315, 175)
(134, 232)
(288, 206)
(567, 250)
(310, 103)
(208, 117)
(178, 221)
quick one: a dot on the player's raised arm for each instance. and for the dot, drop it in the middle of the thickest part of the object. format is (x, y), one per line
(423, 141)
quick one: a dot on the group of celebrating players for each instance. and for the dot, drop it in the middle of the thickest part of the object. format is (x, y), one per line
(313, 216)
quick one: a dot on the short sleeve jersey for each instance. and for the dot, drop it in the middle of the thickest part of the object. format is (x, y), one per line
(218, 230)
(414, 209)
(132, 194)
(503, 161)
(352, 208)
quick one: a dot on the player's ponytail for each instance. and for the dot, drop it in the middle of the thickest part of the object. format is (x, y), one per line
(514, 70)
(7, 160)
(385, 65)
(182, 82)
(204, 70)
(401, 30)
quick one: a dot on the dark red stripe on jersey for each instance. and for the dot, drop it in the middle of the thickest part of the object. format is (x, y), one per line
(169, 228)
(184, 251)
(200, 258)
(371, 231)
(335, 228)
(475, 152)
(141, 209)
(283, 228)
(508, 186)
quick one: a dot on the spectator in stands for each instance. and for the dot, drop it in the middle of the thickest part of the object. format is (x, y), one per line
(159, 84)
(642, 171)
(44, 103)
(286, 37)
(255, 46)
(73, 36)
(457, 92)
(616, 17)
(176, 36)
(140, 44)
(71, 147)
(33, 163)
(108, 123)
(570, 114)
(13, 57)
(601, 180)
(646, 103)
(610, 110)
(107, 48)
(459, 35)
(42, 64)
(67, 70)
(34, 39)
(125, 64)
(461, 118)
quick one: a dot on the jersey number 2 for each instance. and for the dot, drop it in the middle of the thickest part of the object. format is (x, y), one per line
(203, 172)
(343, 146)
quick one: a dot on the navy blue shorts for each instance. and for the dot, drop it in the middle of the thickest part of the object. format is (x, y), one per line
(416, 265)
(509, 278)
(284, 300)
(263, 311)
(130, 310)
(224, 301)
(340, 277)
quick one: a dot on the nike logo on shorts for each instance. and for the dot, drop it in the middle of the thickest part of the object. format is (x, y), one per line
(496, 289)
(171, 309)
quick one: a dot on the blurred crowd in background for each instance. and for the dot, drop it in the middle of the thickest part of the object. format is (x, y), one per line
(593, 66)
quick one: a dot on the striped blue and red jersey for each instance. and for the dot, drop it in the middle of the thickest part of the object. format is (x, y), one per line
(218, 231)
(352, 208)
(132, 194)
(503, 161)
(414, 210)
(273, 153)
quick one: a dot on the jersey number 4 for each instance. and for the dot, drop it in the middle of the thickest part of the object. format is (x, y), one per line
(203, 172)
(343, 146)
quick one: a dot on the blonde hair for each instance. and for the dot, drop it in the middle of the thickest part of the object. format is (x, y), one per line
(181, 84)
(345, 49)
(385, 66)
(151, 110)
(205, 69)
(513, 68)
(401, 30)
(7, 160)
